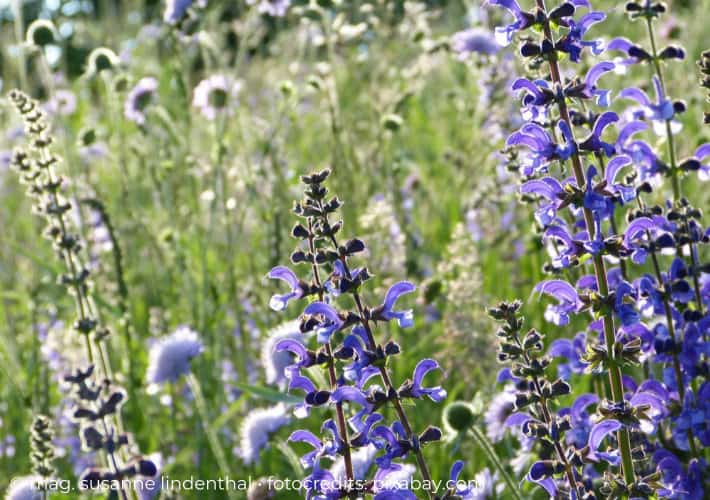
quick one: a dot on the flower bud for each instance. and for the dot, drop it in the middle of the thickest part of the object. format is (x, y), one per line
(392, 122)
(42, 32)
(102, 59)
(459, 416)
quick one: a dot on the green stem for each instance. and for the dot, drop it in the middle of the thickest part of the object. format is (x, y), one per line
(20, 38)
(675, 180)
(487, 447)
(614, 369)
(212, 438)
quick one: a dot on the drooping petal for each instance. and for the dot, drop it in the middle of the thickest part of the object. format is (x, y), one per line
(305, 437)
(621, 44)
(703, 151)
(285, 274)
(323, 309)
(422, 368)
(637, 95)
(587, 20)
(396, 291)
(581, 403)
(636, 228)
(558, 289)
(456, 471)
(600, 431)
(603, 121)
(549, 190)
(614, 166)
(596, 72)
(352, 394)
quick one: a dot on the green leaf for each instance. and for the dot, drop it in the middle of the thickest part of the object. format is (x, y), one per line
(269, 394)
(227, 415)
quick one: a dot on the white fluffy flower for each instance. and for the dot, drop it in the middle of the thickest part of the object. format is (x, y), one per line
(24, 488)
(170, 357)
(256, 428)
(499, 409)
(213, 95)
(275, 362)
(362, 460)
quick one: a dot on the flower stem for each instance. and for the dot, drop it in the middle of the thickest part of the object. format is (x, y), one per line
(217, 450)
(332, 376)
(617, 390)
(372, 345)
(488, 449)
(672, 159)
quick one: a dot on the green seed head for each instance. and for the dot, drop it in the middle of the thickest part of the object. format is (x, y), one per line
(459, 416)
(102, 59)
(41, 32)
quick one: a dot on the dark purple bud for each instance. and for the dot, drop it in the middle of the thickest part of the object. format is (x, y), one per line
(530, 49)
(299, 231)
(354, 245)
(93, 439)
(564, 10)
(430, 434)
(560, 388)
(672, 52)
(690, 164)
(639, 53)
(147, 468)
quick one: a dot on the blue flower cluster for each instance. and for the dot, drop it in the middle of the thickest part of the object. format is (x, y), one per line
(622, 254)
(359, 382)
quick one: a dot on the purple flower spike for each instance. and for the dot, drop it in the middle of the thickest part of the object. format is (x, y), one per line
(386, 312)
(474, 40)
(279, 302)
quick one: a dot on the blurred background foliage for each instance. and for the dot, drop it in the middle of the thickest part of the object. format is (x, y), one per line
(198, 210)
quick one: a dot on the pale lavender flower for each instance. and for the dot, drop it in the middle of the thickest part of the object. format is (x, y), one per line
(273, 361)
(486, 486)
(62, 103)
(139, 98)
(175, 10)
(92, 152)
(499, 409)
(362, 460)
(212, 95)
(474, 40)
(5, 159)
(256, 428)
(170, 357)
(24, 488)
(7, 446)
(273, 8)
(146, 491)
